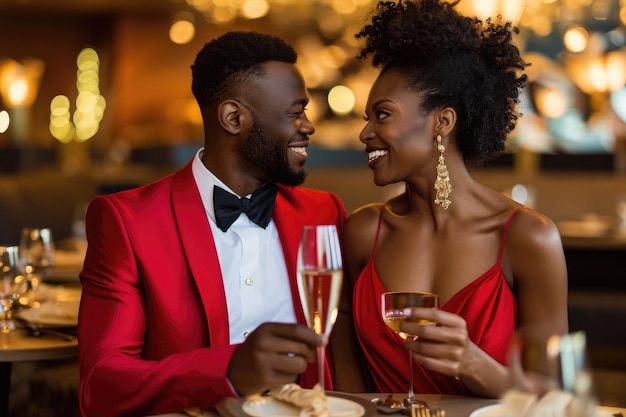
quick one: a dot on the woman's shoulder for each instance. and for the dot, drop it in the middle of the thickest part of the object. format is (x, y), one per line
(363, 220)
(360, 228)
(533, 227)
(524, 225)
(365, 213)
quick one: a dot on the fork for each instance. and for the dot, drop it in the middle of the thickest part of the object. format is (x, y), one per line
(427, 412)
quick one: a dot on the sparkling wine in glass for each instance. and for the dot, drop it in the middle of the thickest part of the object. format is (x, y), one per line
(13, 283)
(393, 305)
(320, 275)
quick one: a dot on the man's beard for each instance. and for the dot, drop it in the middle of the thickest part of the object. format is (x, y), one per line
(270, 156)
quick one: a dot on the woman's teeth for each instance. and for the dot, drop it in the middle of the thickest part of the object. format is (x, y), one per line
(376, 154)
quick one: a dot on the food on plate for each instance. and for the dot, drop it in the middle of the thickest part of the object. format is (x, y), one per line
(519, 402)
(555, 403)
(311, 402)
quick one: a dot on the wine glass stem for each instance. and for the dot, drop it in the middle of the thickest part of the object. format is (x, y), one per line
(411, 396)
(321, 358)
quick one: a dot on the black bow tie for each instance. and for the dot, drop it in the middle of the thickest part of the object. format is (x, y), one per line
(258, 207)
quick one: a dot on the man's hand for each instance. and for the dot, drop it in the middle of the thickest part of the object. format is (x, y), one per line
(274, 354)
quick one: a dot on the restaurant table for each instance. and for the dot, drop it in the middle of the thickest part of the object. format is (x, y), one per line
(454, 405)
(18, 346)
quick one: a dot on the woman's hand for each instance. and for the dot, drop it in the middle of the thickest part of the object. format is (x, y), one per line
(445, 347)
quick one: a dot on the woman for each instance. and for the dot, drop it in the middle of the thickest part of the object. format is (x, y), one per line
(446, 95)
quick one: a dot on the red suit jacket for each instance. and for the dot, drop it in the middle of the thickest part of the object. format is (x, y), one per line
(153, 324)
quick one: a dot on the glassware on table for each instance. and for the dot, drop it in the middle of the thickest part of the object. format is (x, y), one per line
(36, 256)
(393, 305)
(553, 369)
(320, 275)
(13, 283)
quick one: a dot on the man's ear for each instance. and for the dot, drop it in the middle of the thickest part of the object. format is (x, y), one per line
(446, 121)
(232, 116)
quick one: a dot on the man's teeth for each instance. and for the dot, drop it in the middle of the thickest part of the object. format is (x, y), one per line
(376, 154)
(298, 149)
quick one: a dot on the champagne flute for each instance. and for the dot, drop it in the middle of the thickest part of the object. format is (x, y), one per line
(320, 275)
(393, 305)
(12, 284)
(36, 256)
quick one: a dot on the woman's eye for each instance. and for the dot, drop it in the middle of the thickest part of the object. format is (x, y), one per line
(367, 119)
(381, 115)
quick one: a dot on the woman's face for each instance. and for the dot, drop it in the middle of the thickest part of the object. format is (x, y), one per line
(399, 136)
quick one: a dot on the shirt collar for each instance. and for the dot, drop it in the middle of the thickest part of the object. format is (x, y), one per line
(205, 181)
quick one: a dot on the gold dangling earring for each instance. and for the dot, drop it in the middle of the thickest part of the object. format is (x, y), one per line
(442, 183)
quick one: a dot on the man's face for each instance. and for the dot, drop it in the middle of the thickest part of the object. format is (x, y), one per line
(270, 155)
(279, 135)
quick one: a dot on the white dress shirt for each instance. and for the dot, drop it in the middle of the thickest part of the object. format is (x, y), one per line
(252, 262)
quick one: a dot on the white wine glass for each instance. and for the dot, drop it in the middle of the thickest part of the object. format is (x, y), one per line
(320, 275)
(13, 283)
(36, 256)
(393, 305)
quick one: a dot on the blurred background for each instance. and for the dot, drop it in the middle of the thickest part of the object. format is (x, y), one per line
(132, 93)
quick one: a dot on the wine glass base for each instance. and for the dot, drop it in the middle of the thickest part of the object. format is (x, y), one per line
(412, 403)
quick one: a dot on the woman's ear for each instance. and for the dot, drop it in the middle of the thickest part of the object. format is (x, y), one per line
(232, 116)
(446, 121)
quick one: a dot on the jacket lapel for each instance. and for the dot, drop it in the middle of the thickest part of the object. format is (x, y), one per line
(289, 222)
(199, 247)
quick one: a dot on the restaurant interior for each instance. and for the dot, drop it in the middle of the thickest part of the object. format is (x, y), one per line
(95, 98)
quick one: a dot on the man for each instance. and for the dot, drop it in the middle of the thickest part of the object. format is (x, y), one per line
(181, 308)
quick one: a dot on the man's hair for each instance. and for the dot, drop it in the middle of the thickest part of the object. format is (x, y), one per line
(230, 59)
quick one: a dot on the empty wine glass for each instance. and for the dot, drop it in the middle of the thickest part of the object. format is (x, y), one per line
(13, 283)
(320, 275)
(393, 305)
(552, 372)
(36, 256)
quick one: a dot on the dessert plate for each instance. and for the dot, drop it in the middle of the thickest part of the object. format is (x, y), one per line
(501, 410)
(339, 406)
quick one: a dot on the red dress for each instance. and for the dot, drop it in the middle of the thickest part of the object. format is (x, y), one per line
(487, 304)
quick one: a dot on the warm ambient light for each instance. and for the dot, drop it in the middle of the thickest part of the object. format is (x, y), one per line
(4, 121)
(341, 100)
(598, 73)
(255, 9)
(90, 105)
(550, 101)
(183, 29)
(576, 39)
(19, 81)
(510, 10)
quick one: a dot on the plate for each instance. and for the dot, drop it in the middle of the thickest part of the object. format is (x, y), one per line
(496, 410)
(339, 406)
(501, 410)
(53, 313)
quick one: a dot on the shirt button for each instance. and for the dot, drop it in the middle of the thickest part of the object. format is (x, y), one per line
(245, 334)
(249, 281)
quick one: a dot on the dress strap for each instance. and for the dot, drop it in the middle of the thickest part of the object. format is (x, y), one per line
(380, 218)
(506, 231)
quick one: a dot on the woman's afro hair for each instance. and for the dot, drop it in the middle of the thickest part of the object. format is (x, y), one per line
(452, 60)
